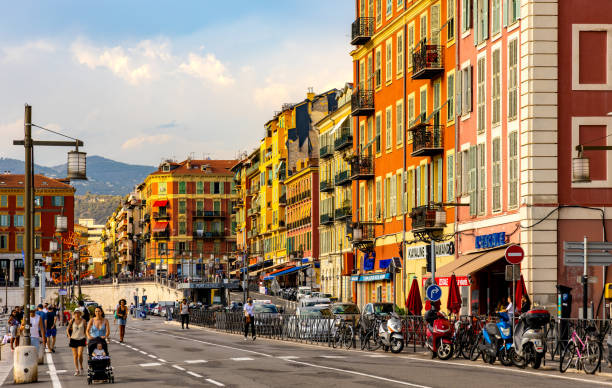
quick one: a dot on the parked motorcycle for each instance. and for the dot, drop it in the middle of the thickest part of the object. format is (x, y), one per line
(440, 335)
(390, 334)
(495, 341)
(529, 338)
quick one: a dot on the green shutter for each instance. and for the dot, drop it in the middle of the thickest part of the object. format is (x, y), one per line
(517, 12)
(475, 21)
(505, 12)
(485, 20)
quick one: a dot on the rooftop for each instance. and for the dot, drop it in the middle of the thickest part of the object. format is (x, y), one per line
(14, 181)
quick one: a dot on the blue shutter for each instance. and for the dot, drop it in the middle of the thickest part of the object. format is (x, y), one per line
(505, 12)
(475, 21)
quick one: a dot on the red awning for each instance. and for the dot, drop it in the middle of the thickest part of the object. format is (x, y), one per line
(160, 203)
(279, 270)
(160, 226)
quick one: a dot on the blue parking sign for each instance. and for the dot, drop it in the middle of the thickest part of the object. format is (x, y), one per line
(434, 293)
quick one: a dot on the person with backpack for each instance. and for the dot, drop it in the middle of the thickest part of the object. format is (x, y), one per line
(85, 311)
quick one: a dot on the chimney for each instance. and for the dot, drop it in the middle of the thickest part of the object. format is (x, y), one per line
(310, 95)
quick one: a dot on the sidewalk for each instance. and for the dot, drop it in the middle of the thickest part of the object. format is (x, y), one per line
(6, 363)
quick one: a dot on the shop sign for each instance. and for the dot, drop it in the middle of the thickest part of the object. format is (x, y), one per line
(371, 277)
(418, 252)
(445, 281)
(490, 240)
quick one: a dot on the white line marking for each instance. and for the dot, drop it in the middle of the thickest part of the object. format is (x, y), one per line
(194, 374)
(219, 345)
(514, 254)
(288, 357)
(150, 364)
(195, 361)
(52, 372)
(218, 384)
(152, 356)
(178, 367)
(332, 356)
(377, 356)
(162, 360)
(145, 353)
(241, 359)
(359, 374)
(58, 371)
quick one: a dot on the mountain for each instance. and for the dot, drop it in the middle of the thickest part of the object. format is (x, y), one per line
(96, 206)
(105, 176)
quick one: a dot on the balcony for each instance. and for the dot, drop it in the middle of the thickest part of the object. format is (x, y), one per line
(344, 140)
(427, 61)
(362, 168)
(160, 216)
(343, 213)
(342, 178)
(208, 234)
(146, 218)
(428, 221)
(161, 235)
(326, 151)
(362, 30)
(326, 219)
(362, 102)
(326, 186)
(208, 214)
(427, 140)
(363, 235)
(282, 200)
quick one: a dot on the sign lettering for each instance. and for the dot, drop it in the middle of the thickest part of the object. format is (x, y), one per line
(418, 252)
(490, 240)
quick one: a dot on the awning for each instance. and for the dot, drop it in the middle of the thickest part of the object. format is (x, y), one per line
(285, 272)
(273, 273)
(338, 125)
(160, 226)
(268, 263)
(471, 263)
(160, 203)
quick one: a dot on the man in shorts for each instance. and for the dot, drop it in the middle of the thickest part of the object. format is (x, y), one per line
(51, 328)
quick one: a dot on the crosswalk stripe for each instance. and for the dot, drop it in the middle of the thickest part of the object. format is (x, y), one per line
(195, 361)
(150, 364)
(152, 356)
(333, 356)
(178, 367)
(218, 384)
(241, 359)
(194, 374)
(145, 353)
(162, 360)
(288, 357)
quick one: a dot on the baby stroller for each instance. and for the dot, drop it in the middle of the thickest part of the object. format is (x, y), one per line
(99, 368)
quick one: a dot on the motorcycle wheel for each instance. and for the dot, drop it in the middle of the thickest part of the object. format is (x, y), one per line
(445, 351)
(537, 360)
(487, 358)
(385, 348)
(505, 357)
(474, 348)
(397, 345)
(518, 360)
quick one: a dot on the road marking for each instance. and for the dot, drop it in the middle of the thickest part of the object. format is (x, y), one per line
(332, 356)
(218, 384)
(145, 353)
(195, 361)
(359, 374)
(57, 371)
(194, 374)
(52, 372)
(162, 360)
(219, 345)
(152, 356)
(150, 364)
(178, 367)
(288, 357)
(378, 356)
(241, 359)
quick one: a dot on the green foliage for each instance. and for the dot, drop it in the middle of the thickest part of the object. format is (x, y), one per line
(98, 207)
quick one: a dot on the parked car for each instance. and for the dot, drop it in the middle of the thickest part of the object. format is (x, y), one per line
(315, 322)
(267, 318)
(346, 311)
(371, 311)
(303, 292)
(235, 306)
(305, 302)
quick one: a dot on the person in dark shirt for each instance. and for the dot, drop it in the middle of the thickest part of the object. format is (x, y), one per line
(51, 328)
(525, 304)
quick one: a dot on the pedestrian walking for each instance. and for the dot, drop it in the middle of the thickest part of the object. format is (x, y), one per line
(249, 319)
(51, 328)
(43, 316)
(510, 309)
(98, 331)
(184, 314)
(121, 313)
(76, 334)
(13, 324)
(37, 330)
(85, 310)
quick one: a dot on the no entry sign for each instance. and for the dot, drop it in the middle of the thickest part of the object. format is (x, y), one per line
(514, 254)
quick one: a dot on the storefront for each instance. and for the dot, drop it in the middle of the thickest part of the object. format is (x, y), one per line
(373, 287)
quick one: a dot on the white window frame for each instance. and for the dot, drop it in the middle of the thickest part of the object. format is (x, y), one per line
(513, 81)
(377, 68)
(399, 66)
(450, 95)
(481, 92)
(450, 176)
(496, 85)
(411, 41)
(450, 20)
(399, 122)
(594, 120)
(389, 127)
(496, 174)
(576, 29)
(389, 60)
(482, 178)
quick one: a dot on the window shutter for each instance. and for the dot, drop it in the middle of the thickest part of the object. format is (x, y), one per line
(418, 186)
(464, 15)
(475, 19)
(485, 19)
(505, 12)
(440, 180)
(404, 192)
(469, 89)
(517, 9)
(426, 184)
(458, 92)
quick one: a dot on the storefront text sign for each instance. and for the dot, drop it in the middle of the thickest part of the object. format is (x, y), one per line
(490, 240)
(371, 277)
(418, 252)
(445, 281)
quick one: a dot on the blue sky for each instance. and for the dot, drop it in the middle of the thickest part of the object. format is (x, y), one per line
(139, 81)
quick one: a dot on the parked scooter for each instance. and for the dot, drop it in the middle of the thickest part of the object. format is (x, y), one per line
(495, 341)
(390, 334)
(440, 335)
(529, 338)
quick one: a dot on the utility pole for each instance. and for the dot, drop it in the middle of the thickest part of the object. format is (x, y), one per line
(27, 270)
(585, 283)
(61, 244)
(78, 258)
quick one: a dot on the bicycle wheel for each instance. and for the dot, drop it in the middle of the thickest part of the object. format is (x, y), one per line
(373, 342)
(475, 348)
(363, 339)
(347, 338)
(591, 357)
(568, 357)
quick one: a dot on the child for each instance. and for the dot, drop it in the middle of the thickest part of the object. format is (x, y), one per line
(98, 351)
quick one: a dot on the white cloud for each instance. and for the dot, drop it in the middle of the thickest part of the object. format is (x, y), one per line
(140, 141)
(17, 53)
(207, 68)
(274, 93)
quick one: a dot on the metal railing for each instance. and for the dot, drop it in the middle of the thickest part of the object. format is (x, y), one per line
(427, 61)
(427, 140)
(362, 30)
(362, 102)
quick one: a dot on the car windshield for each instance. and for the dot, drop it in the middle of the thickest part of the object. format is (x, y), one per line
(345, 309)
(383, 308)
(316, 312)
(264, 308)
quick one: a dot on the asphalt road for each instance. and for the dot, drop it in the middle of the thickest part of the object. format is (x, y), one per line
(161, 354)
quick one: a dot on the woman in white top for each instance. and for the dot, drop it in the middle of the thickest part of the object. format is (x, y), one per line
(76, 333)
(36, 329)
(184, 314)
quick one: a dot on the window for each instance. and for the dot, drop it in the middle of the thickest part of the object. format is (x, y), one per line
(411, 107)
(392, 196)
(38, 201)
(362, 134)
(496, 88)
(200, 188)
(162, 248)
(362, 200)
(423, 102)
(378, 12)
(370, 79)
(378, 129)
(3, 201)
(434, 25)
(182, 206)
(3, 242)
(496, 17)
(37, 239)
(482, 178)
(161, 188)
(399, 67)
(423, 28)
(389, 8)
(450, 178)
(425, 184)
(361, 75)
(388, 130)
(377, 71)
(410, 44)
(513, 169)
(399, 122)
(481, 89)
(182, 227)
(389, 60)
(387, 197)
(371, 8)
(438, 171)
(370, 201)
(5, 220)
(512, 79)
(217, 186)
(378, 199)
(19, 242)
(482, 23)
(400, 3)
(182, 188)
(472, 180)
(466, 15)
(361, 8)
(450, 20)
(459, 174)
(400, 193)
(496, 178)
(436, 101)
(514, 11)
(37, 220)
(450, 95)
(18, 220)
(418, 185)
(466, 90)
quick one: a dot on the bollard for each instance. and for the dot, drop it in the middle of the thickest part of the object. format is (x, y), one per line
(41, 353)
(25, 364)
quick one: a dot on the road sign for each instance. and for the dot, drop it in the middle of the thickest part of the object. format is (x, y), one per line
(596, 253)
(579, 245)
(434, 293)
(513, 275)
(62, 292)
(514, 254)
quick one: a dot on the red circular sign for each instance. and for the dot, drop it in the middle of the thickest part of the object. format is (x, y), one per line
(514, 254)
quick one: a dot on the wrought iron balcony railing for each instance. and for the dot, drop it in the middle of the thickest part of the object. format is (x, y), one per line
(362, 168)
(427, 61)
(427, 140)
(362, 30)
(362, 102)
(342, 178)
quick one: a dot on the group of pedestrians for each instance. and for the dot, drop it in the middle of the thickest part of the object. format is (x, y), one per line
(43, 326)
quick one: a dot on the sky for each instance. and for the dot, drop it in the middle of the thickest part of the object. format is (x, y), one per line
(142, 81)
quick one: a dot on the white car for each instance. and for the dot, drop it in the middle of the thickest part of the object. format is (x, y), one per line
(309, 302)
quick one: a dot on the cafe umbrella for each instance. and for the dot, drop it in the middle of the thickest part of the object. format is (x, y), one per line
(413, 303)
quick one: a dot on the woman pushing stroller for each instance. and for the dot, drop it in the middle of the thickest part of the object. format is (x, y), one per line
(98, 331)
(98, 362)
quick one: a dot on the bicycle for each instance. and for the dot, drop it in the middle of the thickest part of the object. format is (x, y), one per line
(583, 354)
(343, 336)
(371, 341)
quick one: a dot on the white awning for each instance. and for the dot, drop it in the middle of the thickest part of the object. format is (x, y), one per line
(338, 125)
